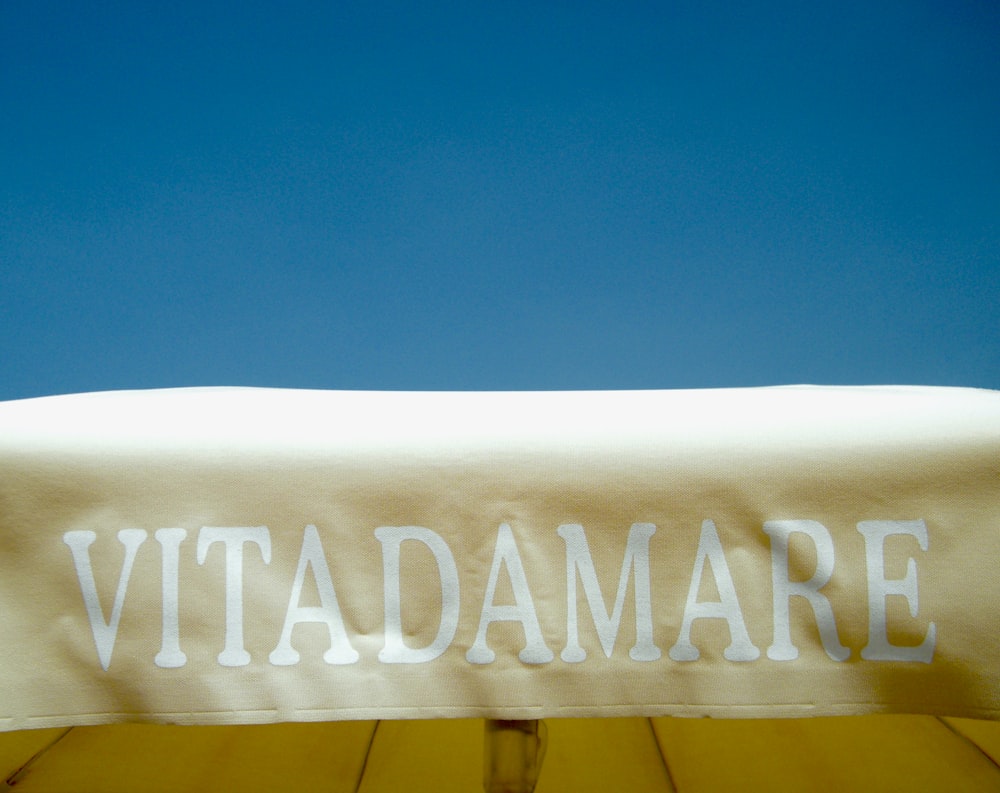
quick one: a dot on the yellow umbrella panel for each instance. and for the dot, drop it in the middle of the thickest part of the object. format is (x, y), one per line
(892, 753)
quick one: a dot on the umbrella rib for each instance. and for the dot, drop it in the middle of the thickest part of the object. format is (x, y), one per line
(663, 757)
(18, 775)
(368, 753)
(966, 739)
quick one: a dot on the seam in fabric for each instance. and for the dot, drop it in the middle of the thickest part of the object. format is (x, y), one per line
(368, 754)
(969, 741)
(663, 756)
(20, 773)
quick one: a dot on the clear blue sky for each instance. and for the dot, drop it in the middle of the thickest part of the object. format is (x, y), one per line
(498, 195)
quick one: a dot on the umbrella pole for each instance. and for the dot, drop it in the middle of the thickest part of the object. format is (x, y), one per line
(513, 751)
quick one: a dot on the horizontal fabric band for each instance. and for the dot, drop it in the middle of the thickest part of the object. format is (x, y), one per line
(223, 556)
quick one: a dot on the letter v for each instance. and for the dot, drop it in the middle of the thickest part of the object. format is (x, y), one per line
(105, 631)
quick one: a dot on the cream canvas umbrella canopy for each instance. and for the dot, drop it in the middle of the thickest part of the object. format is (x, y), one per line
(261, 589)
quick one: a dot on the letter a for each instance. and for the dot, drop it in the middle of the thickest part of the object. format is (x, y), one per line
(328, 612)
(535, 651)
(727, 608)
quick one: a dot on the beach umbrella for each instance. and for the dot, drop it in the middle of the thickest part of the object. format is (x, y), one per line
(257, 589)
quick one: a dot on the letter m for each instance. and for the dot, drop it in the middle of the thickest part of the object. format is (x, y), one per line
(578, 558)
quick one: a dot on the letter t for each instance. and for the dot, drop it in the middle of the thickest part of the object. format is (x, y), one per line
(234, 653)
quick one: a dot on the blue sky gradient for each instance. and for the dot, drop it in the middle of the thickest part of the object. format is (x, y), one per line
(498, 196)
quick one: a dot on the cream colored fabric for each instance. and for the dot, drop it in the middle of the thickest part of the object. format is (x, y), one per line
(315, 556)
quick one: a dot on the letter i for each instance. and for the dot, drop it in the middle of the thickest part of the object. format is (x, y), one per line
(170, 655)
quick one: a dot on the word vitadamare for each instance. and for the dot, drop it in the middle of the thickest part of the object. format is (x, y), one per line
(709, 560)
